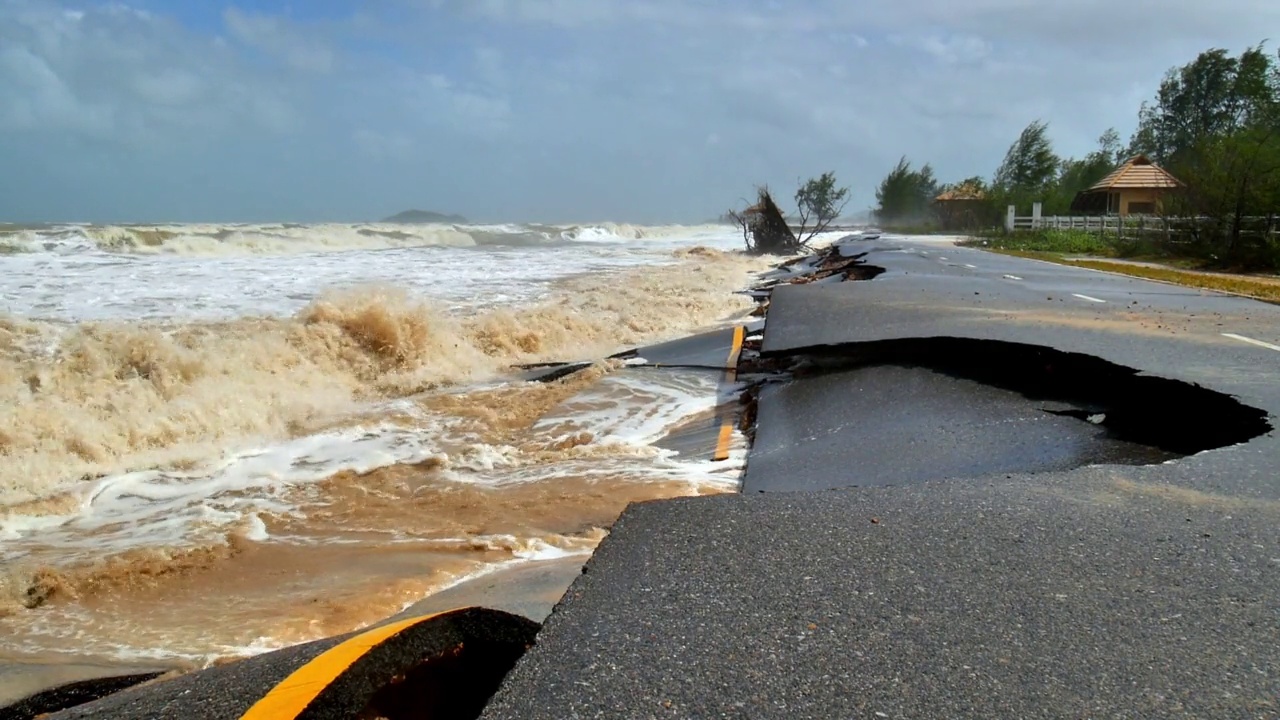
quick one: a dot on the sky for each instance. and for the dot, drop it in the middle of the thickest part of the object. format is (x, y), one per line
(552, 110)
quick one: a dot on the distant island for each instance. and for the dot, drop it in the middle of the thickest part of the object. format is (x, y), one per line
(425, 216)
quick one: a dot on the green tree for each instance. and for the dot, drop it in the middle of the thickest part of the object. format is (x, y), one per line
(820, 201)
(1075, 174)
(1030, 167)
(975, 184)
(1235, 178)
(1215, 124)
(1209, 97)
(905, 194)
(1110, 148)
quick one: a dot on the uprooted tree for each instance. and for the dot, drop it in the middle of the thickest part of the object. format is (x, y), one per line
(765, 228)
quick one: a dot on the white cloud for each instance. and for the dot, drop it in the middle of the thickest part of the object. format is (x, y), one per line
(38, 98)
(489, 66)
(125, 77)
(168, 86)
(275, 36)
(574, 14)
(382, 145)
(949, 49)
(436, 100)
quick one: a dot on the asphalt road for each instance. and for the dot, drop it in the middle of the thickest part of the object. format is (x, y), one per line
(1076, 591)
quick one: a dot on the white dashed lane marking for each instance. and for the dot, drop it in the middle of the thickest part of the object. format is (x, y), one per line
(1086, 297)
(1012, 277)
(1251, 341)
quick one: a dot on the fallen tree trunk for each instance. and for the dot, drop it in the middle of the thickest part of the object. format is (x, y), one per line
(766, 229)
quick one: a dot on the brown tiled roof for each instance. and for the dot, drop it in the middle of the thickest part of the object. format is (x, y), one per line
(1138, 172)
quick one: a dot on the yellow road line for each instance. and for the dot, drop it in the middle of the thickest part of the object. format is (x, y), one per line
(722, 444)
(735, 350)
(736, 347)
(731, 374)
(293, 694)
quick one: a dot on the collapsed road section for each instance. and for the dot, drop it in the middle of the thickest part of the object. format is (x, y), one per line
(948, 408)
(962, 498)
(1110, 554)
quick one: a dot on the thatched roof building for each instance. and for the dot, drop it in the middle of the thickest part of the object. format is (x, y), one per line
(1134, 188)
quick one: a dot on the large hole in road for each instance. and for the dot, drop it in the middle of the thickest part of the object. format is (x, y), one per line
(897, 411)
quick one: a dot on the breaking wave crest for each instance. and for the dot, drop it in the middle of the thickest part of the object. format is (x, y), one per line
(302, 445)
(88, 399)
(285, 238)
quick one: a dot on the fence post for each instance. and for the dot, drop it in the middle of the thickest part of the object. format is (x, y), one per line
(1035, 216)
(1009, 218)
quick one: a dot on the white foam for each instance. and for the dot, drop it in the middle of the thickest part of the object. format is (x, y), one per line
(625, 412)
(636, 408)
(256, 529)
(167, 508)
(77, 280)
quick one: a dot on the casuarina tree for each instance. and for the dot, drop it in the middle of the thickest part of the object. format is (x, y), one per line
(1030, 166)
(905, 195)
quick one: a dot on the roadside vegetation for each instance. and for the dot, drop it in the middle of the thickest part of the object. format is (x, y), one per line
(1256, 287)
(1075, 242)
(1132, 257)
(1214, 124)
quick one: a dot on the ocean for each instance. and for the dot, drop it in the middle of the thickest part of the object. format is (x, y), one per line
(216, 440)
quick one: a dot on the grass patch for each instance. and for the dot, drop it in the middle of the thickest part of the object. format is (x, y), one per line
(1267, 290)
(1047, 240)
(1260, 289)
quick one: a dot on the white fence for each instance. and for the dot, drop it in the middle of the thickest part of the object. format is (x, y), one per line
(1267, 227)
(1096, 223)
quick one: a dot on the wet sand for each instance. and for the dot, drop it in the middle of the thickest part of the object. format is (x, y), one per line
(20, 680)
(530, 589)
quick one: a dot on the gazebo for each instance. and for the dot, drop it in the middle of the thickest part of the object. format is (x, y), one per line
(1134, 188)
(960, 207)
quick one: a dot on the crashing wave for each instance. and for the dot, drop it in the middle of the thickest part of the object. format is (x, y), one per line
(288, 238)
